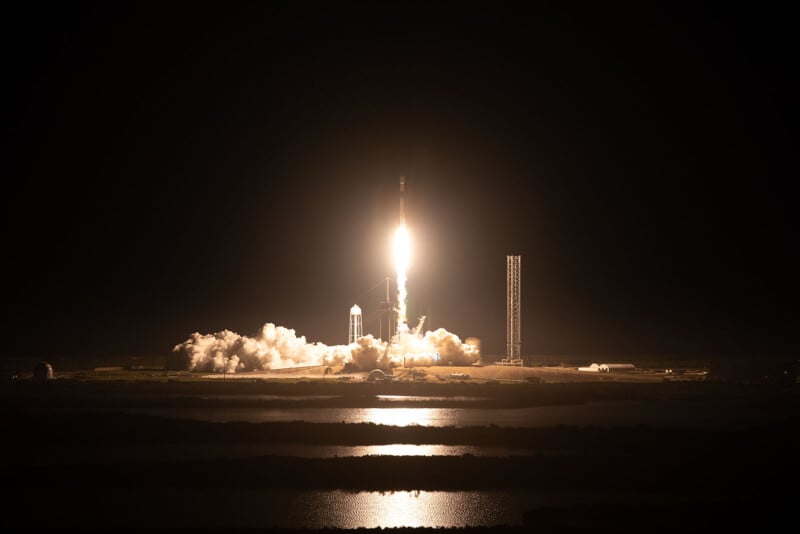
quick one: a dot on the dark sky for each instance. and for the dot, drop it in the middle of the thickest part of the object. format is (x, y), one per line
(182, 167)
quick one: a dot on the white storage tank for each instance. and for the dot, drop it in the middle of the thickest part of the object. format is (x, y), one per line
(43, 371)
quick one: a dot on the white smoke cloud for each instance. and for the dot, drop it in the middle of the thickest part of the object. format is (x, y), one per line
(437, 347)
(276, 347)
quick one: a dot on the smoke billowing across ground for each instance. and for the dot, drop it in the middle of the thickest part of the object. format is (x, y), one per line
(276, 347)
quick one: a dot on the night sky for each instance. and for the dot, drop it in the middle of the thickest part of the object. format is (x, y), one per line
(173, 168)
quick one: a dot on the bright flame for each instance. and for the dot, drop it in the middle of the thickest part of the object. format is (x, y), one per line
(402, 255)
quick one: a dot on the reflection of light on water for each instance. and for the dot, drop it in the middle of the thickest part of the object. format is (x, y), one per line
(427, 509)
(402, 449)
(400, 509)
(601, 413)
(420, 398)
(399, 416)
(304, 510)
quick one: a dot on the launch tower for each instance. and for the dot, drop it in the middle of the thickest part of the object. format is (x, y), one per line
(513, 311)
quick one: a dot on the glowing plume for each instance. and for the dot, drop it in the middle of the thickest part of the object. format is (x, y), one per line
(402, 254)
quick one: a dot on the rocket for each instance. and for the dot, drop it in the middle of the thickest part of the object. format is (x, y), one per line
(402, 199)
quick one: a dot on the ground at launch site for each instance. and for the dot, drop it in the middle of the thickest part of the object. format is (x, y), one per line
(474, 374)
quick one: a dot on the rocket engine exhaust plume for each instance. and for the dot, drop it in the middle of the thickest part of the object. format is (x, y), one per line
(402, 253)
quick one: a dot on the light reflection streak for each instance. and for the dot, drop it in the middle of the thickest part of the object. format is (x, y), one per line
(401, 508)
(399, 416)
(428, 398)
(404, 449)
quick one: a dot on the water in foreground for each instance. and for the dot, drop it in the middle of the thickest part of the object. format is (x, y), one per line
(397, 461)
(295, 509)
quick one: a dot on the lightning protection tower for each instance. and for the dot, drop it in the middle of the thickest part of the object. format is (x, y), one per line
(356, 327)
(513, 310)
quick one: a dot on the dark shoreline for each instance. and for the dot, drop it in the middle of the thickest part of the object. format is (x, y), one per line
(80, 429)
(24, 394)
(696, 473)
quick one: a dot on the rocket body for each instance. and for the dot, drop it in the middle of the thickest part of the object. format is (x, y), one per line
(402, 199)
(401, 259)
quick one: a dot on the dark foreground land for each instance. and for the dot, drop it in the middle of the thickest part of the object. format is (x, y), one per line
(692, 478)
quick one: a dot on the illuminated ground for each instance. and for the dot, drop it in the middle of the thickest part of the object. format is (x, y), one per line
(432, 374)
